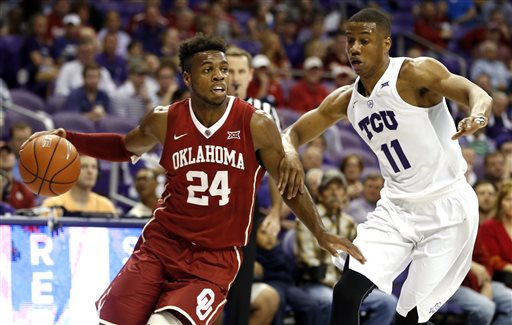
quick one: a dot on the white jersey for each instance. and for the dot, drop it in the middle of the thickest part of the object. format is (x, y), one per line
(417, 157)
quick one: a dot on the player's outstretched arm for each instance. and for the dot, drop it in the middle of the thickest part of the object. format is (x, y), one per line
(264, 133)
(433, 75)
(308, 127)
(113, 146)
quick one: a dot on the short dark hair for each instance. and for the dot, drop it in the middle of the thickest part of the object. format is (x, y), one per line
(371, 15)
(197, 44)
(90, 66)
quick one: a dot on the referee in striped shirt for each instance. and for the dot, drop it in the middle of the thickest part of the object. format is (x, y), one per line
(238, 306)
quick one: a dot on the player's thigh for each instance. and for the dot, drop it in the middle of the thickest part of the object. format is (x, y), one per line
(197, 301)
(387, 252)
(132, 295)
(437, 270)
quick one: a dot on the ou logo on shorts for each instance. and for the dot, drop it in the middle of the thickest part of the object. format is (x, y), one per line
(204, 303)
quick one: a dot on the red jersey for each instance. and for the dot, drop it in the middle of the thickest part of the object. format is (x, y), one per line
(212, 176)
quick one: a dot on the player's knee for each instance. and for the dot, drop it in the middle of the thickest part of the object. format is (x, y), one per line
(164, 318)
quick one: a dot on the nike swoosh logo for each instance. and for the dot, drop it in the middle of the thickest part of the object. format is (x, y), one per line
(179, 136)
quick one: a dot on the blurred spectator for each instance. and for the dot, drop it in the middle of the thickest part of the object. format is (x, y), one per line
(352, 167)
(151, 13)
(316, 41)
(36, 57)
(360, 207)
(170, 43)
(263, 85)
(150, 30)
(483, 80)
(80, 199)
(430, 26)
(146, 184)
(167, 85)
(293, 47)
(89, 15)
(497, 236)
(336, 52)
(273, 49)
(15, 193)
(262, 21)
(19, 132)
(264, 302)
(135, 52)
(459, 12)
(496, 30)
(277, 271)
(469, 155)
(308, 92)
(486, 192)
(319, 274)
(342, 76)
(113, 26)
(312, 157)
(114, 63)
(503, 6)
(225, 24)
(55, 25)
(312, 181)
(499, 121)
(70, 74)
(89, 100)
(185, 22)
(132, 99)
(490, 65)
(5, 96)
(64, 47)
(494, 168)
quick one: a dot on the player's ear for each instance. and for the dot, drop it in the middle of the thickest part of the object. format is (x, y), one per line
(186, 78)
(387, 43)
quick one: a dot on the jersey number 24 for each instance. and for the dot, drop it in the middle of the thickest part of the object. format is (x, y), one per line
(219, 186)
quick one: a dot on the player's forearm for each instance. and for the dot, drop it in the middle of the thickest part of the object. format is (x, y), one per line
(303, 207)
(275, 198)
(480, 103)
(105, 146)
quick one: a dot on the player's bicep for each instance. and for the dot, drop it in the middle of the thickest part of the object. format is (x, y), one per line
(148, 133)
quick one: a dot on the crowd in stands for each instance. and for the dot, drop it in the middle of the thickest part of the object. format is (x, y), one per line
(115, 60)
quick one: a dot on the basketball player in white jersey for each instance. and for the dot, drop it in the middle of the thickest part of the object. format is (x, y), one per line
(428, 214)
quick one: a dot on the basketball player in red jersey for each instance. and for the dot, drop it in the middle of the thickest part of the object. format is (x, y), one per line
(216, 148)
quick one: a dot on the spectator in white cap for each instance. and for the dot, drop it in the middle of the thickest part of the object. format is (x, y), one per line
(263, 85)
(308, 92)
(342, 76)
(65, 47)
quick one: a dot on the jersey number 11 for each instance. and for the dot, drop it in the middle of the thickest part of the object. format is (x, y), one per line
(399, 152)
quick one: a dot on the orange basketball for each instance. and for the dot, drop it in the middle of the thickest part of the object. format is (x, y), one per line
(49, 165)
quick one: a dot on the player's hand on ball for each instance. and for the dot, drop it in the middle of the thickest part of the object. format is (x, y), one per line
(60, 132)
(333, 243)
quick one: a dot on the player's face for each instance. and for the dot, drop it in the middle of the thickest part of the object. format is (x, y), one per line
(208, 77)
(240, 75)
(486, 197)
(367, 48)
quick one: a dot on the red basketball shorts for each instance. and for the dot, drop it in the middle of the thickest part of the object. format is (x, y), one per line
(169, 273)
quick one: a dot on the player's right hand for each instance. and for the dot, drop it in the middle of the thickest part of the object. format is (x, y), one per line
(291, 175)
(333, 243)
(60, 132)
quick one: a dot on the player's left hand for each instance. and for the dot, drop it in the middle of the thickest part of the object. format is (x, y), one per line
(333, 243)
(470, 125)
(291, 175)
(271, 224)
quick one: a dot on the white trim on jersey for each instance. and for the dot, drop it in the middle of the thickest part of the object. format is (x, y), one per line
(237, 250)
(179, 310)
(267, 108)
(147, 223)
(252, 205)
(104, 322)
(208, 132)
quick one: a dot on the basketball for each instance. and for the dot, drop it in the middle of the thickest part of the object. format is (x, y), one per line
(49, 165)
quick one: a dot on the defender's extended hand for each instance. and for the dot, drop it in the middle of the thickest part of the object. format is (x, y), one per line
(291, 175)
(332, 243)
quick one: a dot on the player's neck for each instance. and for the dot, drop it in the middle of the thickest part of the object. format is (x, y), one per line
(370, 81)
(208, 114)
